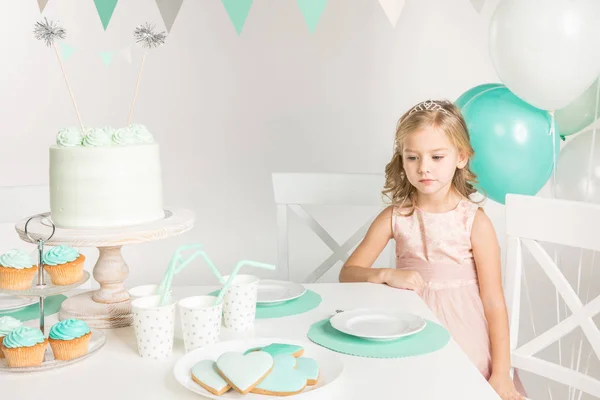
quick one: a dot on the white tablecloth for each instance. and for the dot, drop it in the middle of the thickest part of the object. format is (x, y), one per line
(117, 372)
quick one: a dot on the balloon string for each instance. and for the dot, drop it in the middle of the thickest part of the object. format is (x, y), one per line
(554, 164)
(593, 145)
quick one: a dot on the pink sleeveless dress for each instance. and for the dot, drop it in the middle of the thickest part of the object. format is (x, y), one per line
(438, 246)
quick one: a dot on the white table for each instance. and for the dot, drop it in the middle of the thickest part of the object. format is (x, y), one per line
(117, 372)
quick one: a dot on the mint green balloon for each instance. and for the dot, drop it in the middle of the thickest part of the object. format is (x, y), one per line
(512, 143)
(469, 94)
(579, 114)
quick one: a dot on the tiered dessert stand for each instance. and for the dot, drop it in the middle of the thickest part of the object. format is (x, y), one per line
(42, 288)
(110, 306)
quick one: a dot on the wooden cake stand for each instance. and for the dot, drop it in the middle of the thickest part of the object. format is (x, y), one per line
(109, 306)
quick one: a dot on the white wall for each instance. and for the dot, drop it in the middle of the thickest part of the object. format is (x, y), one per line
(228, 111)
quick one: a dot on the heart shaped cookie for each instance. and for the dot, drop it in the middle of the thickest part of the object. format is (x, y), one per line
(206, 375)
(309, 368)
(277, 349)
(283, 380)
(244, 372)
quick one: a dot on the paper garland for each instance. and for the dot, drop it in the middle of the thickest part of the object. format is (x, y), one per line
(168, 11)
(312, 11)
(66, 51)
(42, 4)
(393, 9)
(107, 57)
(105, 10)
(478, 5)
(238, 12)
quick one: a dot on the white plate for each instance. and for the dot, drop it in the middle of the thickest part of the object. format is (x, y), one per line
(271, 292)
(330, 367)
(377, 324)
(12, 303)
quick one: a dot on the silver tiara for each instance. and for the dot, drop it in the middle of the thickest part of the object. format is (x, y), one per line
(428, 105)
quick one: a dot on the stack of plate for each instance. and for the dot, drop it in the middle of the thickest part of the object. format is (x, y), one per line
(377, 323)
(273, 292)
(10, 303)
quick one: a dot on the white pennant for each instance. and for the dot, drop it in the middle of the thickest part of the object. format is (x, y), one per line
(478, 5)
(393, 9)
(126, 54)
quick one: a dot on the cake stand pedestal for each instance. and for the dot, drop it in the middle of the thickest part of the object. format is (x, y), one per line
(109, 306)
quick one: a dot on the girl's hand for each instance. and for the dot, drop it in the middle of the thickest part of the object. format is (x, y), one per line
(410, 280)
(505, 387)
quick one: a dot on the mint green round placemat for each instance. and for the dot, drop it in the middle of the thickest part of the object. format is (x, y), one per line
(51, 306)
(308, 301)
(430, 339)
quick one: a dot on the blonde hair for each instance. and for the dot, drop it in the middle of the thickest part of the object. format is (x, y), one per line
(440, 114)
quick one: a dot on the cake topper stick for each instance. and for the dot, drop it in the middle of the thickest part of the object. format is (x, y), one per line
(149, 39)
(50, 32)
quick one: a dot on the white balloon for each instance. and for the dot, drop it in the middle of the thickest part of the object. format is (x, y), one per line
(547, 52)
(574, 168)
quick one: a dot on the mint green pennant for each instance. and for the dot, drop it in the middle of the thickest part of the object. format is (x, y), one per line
(66, 51)
(106, 57)
(238, 12)
(312, 11)
(105, 10)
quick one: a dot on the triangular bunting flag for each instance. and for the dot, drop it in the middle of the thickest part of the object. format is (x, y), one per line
(42, 4)
(478, 5)
(312, 11)
(126, 54)
(66, 51)
(105, 10)
(238, 12)
(106, 57)
(168, 11)
(393, 9)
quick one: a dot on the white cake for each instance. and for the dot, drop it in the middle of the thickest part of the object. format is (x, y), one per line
(106, 178)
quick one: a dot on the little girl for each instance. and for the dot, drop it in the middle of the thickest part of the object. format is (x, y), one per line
(446, 246)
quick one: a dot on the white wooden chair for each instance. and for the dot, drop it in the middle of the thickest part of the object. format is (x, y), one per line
(529, 221)
(295, 190)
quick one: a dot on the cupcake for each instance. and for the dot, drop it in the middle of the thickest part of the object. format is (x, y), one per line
(24, 347)
(69, 339)
(64, 264)
(17, 270)
(7, 325)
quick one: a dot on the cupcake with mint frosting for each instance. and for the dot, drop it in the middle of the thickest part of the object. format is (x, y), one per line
(17, 270)
(69, 339)
(24, 347)
(64, 264)
(7, 325)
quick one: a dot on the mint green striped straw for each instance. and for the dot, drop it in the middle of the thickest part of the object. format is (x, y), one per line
(235, 271)
(164, 288)
(165, 285)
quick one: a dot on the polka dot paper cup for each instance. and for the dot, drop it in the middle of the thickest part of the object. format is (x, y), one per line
(200, 321)
(154, 327)
(239, 303)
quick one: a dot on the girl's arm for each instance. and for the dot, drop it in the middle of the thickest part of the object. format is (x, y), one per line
(358, 266)
(486, 253)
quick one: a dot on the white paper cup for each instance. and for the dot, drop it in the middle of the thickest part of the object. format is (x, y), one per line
(200, 321)
(154, 326)
(151, 290)
(239, 303)
(142, 291)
